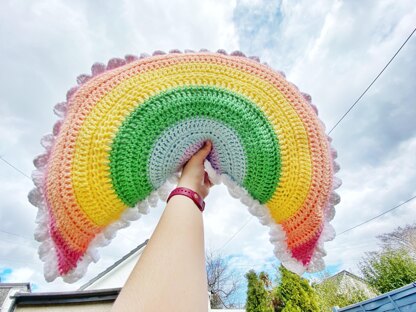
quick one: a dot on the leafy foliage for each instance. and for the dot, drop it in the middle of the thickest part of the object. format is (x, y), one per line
(388, 270)
(258, 299)
(384, 271)
(294, 294)
(330, 294)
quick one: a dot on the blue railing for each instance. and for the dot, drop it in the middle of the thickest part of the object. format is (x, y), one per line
(399, 300)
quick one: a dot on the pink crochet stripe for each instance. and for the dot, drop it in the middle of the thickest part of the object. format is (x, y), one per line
(131, 70)
(303, 253)
(67, 257)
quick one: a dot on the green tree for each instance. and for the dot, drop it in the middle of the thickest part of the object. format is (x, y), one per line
(258, 299)
(294, 294)
(388, 270)
(291, 307)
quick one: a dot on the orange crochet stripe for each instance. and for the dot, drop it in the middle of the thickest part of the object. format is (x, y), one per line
(319, 176)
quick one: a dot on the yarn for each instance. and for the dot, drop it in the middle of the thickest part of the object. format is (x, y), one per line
(127, 129)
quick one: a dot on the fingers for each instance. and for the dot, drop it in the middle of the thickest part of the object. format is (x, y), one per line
(203, 152)
(207, 180)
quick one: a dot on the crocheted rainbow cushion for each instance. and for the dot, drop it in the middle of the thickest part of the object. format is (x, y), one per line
(127, 129)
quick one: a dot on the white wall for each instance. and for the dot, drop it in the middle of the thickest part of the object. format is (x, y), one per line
(118, 276)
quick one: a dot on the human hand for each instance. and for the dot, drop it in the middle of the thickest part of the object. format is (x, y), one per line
(193, 173)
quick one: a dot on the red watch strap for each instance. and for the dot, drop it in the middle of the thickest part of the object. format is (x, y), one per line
(198, 200)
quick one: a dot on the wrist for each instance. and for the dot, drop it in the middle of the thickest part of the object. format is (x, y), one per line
(190, 185)
(191, 194)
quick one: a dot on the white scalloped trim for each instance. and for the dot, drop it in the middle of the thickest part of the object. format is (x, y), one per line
(47, 252)
(277, 235)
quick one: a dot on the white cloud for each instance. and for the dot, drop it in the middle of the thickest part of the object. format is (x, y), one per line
(333, 50)
(385, 186)
(49, 43)
(330, 49)
(20, 275)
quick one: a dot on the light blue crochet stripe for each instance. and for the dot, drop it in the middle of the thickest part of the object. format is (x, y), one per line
(180, 141)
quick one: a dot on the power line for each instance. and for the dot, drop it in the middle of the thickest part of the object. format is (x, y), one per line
(339, 121)
(369, 220)
(15, 168)
(345, 231)
(346, 113)
(26, 242)
(235, 234)
(14, 234)
(365, 91)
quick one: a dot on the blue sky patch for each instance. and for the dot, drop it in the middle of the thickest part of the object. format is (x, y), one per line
(5, 273)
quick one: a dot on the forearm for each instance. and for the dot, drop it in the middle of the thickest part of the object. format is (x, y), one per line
(170, 275)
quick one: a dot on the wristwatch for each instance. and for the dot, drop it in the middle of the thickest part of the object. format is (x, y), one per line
(198, 200)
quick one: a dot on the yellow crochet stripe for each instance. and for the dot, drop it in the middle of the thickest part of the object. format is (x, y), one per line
(95, 193)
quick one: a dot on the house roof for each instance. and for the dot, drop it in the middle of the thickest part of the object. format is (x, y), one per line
(5, 288)
(344, 272)
(12, 285)
(102, 295)
(114, 265)
(73, 297)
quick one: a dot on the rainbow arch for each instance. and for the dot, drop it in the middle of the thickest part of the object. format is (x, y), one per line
(127, 129)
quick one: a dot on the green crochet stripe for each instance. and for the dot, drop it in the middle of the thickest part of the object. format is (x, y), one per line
(132, 146)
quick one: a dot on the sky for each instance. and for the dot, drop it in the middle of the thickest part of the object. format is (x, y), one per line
(329, 49)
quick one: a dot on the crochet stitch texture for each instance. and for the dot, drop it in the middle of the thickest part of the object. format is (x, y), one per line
(127, 129)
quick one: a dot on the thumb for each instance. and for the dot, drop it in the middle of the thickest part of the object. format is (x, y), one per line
(203, 152)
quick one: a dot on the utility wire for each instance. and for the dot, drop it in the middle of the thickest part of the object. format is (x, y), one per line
(339, 121)
(15, 168)
(365, 91)
(346, 113)
(235, 234)
(17, 235)
(345, 231)
(378, 216)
